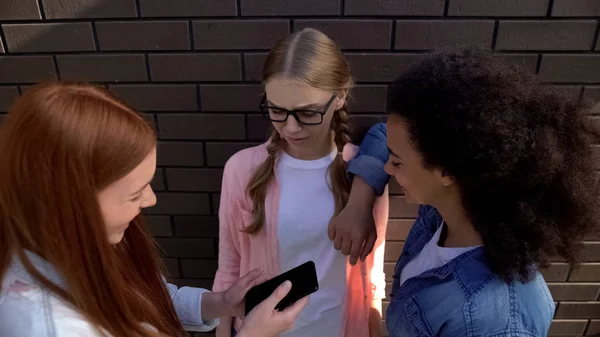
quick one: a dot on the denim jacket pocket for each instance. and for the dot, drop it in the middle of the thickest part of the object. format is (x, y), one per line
(416, 318)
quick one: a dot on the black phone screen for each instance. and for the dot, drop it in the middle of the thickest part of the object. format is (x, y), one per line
(304, 282)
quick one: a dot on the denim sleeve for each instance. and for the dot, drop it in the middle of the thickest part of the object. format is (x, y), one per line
(188, 306)
(370, 159)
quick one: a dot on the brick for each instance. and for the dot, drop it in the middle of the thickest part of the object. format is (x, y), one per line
(560, 327)
(393, 250)
(432, 34)
(165, 97)
(102, 68)
(593, 328)
(180, 154)
(592, 93)
(574, 291)
(146, 35)
(360, 125)
(216, 202)
(197, 226)
(158, 183)
(217, 154)
(7, 97)
(368, 98)
(497, 8)
(238, 97)
(205, 126)
(570, 68)
(400, 208)
(199, 268)
(259, 128)
(87, 9)
(183, 247)
(556, 272)
(585, 272)
(159, 225)
(196, 180)
(26, 69)
(231, 34)
(388, 269)
(187, 8)
(398, 229)
(578, 310)
(395, 7)
(195, 67)
(353, 34)
(545, 35)
(172, 267)
(49, 37)
(20, 10)
(569, 91)
(180, 204)
(150, 120)
(591, 251)
(2, 51)
(289, 7)
(589, 8)
(379, 67)
(198, 283)
(253, 64)
(596, 160)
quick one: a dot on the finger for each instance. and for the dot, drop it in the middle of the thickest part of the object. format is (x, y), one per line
(355, 251)
(331, 230)
(337, 243)
(259, 280)
(278, 295)
(250, 277)
(346, 245)
(295, 309)
(369, 245)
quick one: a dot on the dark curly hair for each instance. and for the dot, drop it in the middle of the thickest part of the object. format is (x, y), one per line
(520, 152)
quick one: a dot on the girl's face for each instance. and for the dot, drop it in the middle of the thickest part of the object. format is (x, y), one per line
(314, 107)
(421, 185)
(121, 201)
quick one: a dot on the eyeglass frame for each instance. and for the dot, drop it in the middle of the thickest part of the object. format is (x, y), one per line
(264, 108)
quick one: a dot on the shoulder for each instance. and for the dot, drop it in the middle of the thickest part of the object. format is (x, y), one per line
(245, 161)
(522, 308)
(35, 312)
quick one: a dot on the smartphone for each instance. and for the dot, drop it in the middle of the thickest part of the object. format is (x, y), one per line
(304, 282)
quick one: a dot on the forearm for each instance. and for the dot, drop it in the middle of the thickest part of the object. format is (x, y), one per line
(213, 306)
(361, 195)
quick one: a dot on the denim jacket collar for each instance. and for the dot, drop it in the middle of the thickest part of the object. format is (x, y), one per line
(17, 271)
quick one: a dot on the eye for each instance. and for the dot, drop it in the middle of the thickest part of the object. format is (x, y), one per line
(276, 111)
(396, 164)
(136, 198)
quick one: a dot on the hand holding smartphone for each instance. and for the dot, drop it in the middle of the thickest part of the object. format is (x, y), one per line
(304, 282)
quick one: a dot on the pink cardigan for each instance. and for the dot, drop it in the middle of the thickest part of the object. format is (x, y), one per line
(240, 253)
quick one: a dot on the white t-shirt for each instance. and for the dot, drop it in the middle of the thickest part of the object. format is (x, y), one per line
(431, 256)
(305, 208)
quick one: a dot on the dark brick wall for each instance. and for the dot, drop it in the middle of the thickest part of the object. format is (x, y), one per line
(193, 67)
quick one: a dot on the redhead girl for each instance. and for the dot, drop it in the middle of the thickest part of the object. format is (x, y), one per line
(75, 257)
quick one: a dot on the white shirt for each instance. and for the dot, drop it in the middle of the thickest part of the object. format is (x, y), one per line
(29, 310)
(305, 208)
(431, 256)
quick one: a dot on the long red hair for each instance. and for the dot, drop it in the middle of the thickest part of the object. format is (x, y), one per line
(61, 144)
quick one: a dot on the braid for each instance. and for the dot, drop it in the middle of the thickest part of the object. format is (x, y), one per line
(340, 185)
(257, 187)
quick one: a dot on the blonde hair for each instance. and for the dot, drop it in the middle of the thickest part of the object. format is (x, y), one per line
(312, 59)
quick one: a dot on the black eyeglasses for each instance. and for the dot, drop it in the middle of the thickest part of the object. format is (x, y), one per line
(302, 116)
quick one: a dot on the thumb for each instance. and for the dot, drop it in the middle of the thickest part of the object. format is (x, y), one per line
(278, 295)
(331, 229)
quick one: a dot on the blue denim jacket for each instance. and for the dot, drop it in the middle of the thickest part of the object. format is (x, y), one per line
(461, 298)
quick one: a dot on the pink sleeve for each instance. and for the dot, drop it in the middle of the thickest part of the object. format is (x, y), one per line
(229, 216)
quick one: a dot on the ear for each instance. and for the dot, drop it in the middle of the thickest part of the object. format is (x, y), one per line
(446, 179)
(341, 99)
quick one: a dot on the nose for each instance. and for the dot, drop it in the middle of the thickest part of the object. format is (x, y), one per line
(149, 199)
(388, 168)
(292, 125)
